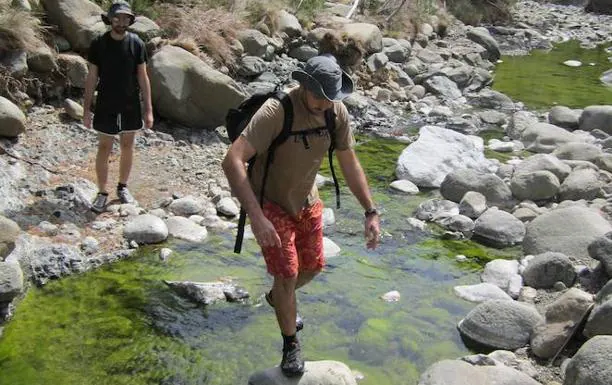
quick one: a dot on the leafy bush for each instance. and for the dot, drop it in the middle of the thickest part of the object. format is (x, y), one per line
(474, 12)
(19, 30)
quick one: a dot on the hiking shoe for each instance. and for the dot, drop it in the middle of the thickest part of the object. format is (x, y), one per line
(299, 322)
(99, 203)
(292, 363)
(124, 195)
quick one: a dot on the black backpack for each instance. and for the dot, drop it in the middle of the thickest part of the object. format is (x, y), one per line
(238, 118)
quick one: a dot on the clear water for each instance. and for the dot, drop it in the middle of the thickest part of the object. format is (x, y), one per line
(122, 325)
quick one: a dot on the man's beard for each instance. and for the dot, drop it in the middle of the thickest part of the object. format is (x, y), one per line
(119, 30)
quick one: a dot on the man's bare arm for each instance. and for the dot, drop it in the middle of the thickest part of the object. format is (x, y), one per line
(90, 85)
(233, 165)
(145, 87)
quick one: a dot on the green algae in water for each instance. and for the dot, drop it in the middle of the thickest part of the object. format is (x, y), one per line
(541, 80)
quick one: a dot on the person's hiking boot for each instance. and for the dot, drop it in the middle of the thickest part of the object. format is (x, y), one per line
(299, 322)
(124, 195)
(292, 363)
(99, 203)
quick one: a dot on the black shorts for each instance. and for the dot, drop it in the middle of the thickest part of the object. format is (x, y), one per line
(117, 123)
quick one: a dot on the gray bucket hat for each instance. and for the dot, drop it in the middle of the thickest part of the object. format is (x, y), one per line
(117, 8)
(323, 76)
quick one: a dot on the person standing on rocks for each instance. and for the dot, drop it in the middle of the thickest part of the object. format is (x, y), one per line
(117, 67)
(289, 226)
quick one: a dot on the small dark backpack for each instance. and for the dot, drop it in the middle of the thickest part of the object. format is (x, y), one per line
(236, 121)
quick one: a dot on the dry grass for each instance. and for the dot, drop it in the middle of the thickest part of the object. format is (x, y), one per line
(19, 30)
(212, 30)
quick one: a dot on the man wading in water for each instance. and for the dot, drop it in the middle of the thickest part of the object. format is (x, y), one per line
(289, 226)
(118, 59)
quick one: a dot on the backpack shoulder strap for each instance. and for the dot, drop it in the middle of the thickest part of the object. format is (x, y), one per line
(285, 101)
(330, 124)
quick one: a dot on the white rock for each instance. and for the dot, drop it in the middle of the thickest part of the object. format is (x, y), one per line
(481, 292)
(572, 63)
(329, 219)
(164, 253)
(404, 186)
(392, 296)
(330, 249)
(461, 258)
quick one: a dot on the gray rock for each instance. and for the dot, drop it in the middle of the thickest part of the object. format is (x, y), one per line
(482, 36)
(254, 42)
(567, 230)
(459, 223)
(601, 250)
(397, 53)
(227, 206)
(499, 272)
(288, 23)
(75, 68)
(578, 151)
(15, 62)
(42, 60)
(186, 206)
(564, 117)
(207, 293)
(369, 34)
(438, 152)
(599, 319)
(436, 209)
(9, 232)
(458, 183)
(596, 117)
(200, 103)
(73, 109)
(145, 28)
(570, 306)
(519, 122)
(591, 365)
(183, 228)
(490, 99)
(146, 229)
(499, 228)
(453, 372)
(545, 269)
(481, 292)
(443, 86)
(500, 324)
(544, 162)
(79, 23)
(545, 138)
(473, 204)
(90, 245)
(252, 66)
(582, 183)
(11, 281)
(504, 375)
(316, 373)
(538, 185)
(377, 61)
(303, 53)
(12, 120)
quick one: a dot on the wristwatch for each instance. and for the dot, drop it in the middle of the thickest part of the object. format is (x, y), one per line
(371, 211)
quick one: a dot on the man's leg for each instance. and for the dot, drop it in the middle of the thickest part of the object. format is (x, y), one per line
(283, 292)
(127, 156)
(305, 277)
(105, 146)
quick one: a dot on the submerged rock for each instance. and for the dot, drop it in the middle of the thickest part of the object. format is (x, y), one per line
(208, 293)
(316, 373)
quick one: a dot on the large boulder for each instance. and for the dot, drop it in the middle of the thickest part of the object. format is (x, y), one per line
(187, 90)
(546, 269)
(288, 23)
(186, 229)
(482, 36)
(145, 28)
(11, 281)
(567, 230)
(146, 229)
(9, 231)
(458, 183)
(591, 365)
(596, 117)
(578, 151)
(453, 372)
(78, 20)
(544, 162)
(538, 185)
(368, 34)
(583, 183)
(601, 250)
(75, 67)
(499, 228)
(12, 120)
(499, 324)
(545, 138)
(438, 152)
(254, 42)
(599, 319)
(564, 117)
(316, 373)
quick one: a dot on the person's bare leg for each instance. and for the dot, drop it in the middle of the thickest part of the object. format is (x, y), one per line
(283, 292)
(105, 146)
(304, 277)
(127, 156)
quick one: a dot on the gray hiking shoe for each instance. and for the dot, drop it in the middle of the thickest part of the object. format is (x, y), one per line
(299, 322)
(292, 363)
(124, 195)
(99, 203)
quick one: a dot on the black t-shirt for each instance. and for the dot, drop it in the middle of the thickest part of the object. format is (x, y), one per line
(117, 61)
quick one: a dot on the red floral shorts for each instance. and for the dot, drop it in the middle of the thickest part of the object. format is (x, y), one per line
(301, 238)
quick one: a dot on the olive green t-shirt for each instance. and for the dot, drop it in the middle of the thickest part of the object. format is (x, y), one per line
(291, 177)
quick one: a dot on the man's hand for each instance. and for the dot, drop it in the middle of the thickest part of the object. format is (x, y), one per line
(148, 119)
(372, 231)
(265, 233)
(87, 118)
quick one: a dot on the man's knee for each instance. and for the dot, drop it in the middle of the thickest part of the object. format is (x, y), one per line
(127, 142)
(105, 145)
(286, 284)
